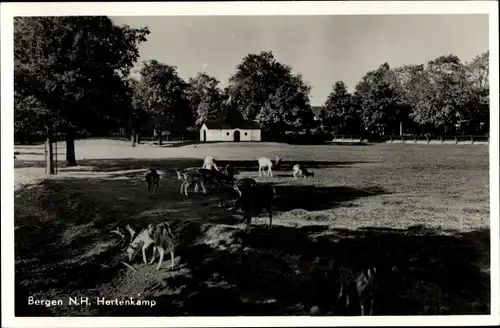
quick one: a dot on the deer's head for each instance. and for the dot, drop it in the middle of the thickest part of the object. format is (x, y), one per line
(278, 160)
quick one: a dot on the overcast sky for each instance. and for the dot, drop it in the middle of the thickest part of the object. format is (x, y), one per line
(324, 49)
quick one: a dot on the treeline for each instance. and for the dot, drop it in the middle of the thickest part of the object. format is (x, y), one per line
(73, 77)
(445, 96)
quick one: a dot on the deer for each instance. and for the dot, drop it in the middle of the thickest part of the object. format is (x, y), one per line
(265, 162)
(300, 171)
(158, 235)
(252, 198)
(363, 283)
(202, 176)
(243, 184)
(209, 163)
(152, 181)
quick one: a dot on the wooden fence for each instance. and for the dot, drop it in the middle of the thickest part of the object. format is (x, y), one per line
(414, 138)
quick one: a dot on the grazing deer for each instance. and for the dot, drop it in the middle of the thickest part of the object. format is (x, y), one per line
(244, 184)
(202, 176)
(265, 162)
(189, 178)
(365, 286)
(363, 283)
(158, 235)
(152, 181)
(299, 171)
(252, 199)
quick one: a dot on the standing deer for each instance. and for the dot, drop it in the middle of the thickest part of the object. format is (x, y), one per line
(363, 284)
(252, 198)
(265, 162)
(209, 163)
(152, 181)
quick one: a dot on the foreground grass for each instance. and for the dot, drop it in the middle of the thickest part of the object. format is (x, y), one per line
(421, 208)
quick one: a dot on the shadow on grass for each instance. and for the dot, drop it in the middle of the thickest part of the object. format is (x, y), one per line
(287, 271)
(180, 163)
(286, 165)
(168, 165)
(315, 198)
(21, 163)
(327, 142)
(171, 144)
(240, 165)
(64, 240)
(348, 143)
(41, 153)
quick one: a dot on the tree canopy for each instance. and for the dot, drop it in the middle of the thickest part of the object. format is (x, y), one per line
(205, 97)
(75, 68)
(340, 113)
(161, 93)
(266, 90)
(442, 96)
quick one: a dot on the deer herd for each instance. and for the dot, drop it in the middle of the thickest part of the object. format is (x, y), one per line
(251, 198)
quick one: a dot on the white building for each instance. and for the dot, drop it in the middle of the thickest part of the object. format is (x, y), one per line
(224, 129)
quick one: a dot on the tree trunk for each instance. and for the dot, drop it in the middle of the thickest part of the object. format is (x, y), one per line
(70, 147)
(50, 151)
(138, 138)
(160, 138)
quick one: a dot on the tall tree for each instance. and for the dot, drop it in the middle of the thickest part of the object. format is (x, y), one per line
(138, 116)
(161, 93)
(268, 91)
(445, 94)
(287, 108)
(256, 78)
(478, 111)
(29, 116)
(412, 82)
(378, 95)
(75, 66)
(339, 112)
(205, 97)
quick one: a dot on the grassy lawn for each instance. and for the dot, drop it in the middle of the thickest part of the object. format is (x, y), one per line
(421, 208)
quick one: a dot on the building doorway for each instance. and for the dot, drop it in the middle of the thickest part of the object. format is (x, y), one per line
(237, 136)
(204, 135)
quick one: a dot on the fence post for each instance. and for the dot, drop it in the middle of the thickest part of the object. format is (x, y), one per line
(402, 139)
(456, 140)
(471, 140)
(442, 139)
(427, 138)
(391, 139)
(342, 137)
(352, 138)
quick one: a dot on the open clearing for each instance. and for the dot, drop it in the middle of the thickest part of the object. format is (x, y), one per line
(421, 208)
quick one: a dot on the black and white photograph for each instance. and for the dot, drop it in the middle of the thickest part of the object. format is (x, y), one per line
(246, 161)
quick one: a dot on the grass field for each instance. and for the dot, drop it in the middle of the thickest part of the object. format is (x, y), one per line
(421, 208)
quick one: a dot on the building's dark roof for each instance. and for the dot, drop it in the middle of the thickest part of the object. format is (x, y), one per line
(221, 124)
(231, 119)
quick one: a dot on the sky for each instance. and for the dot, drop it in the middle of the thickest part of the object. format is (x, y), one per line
(324, 49)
